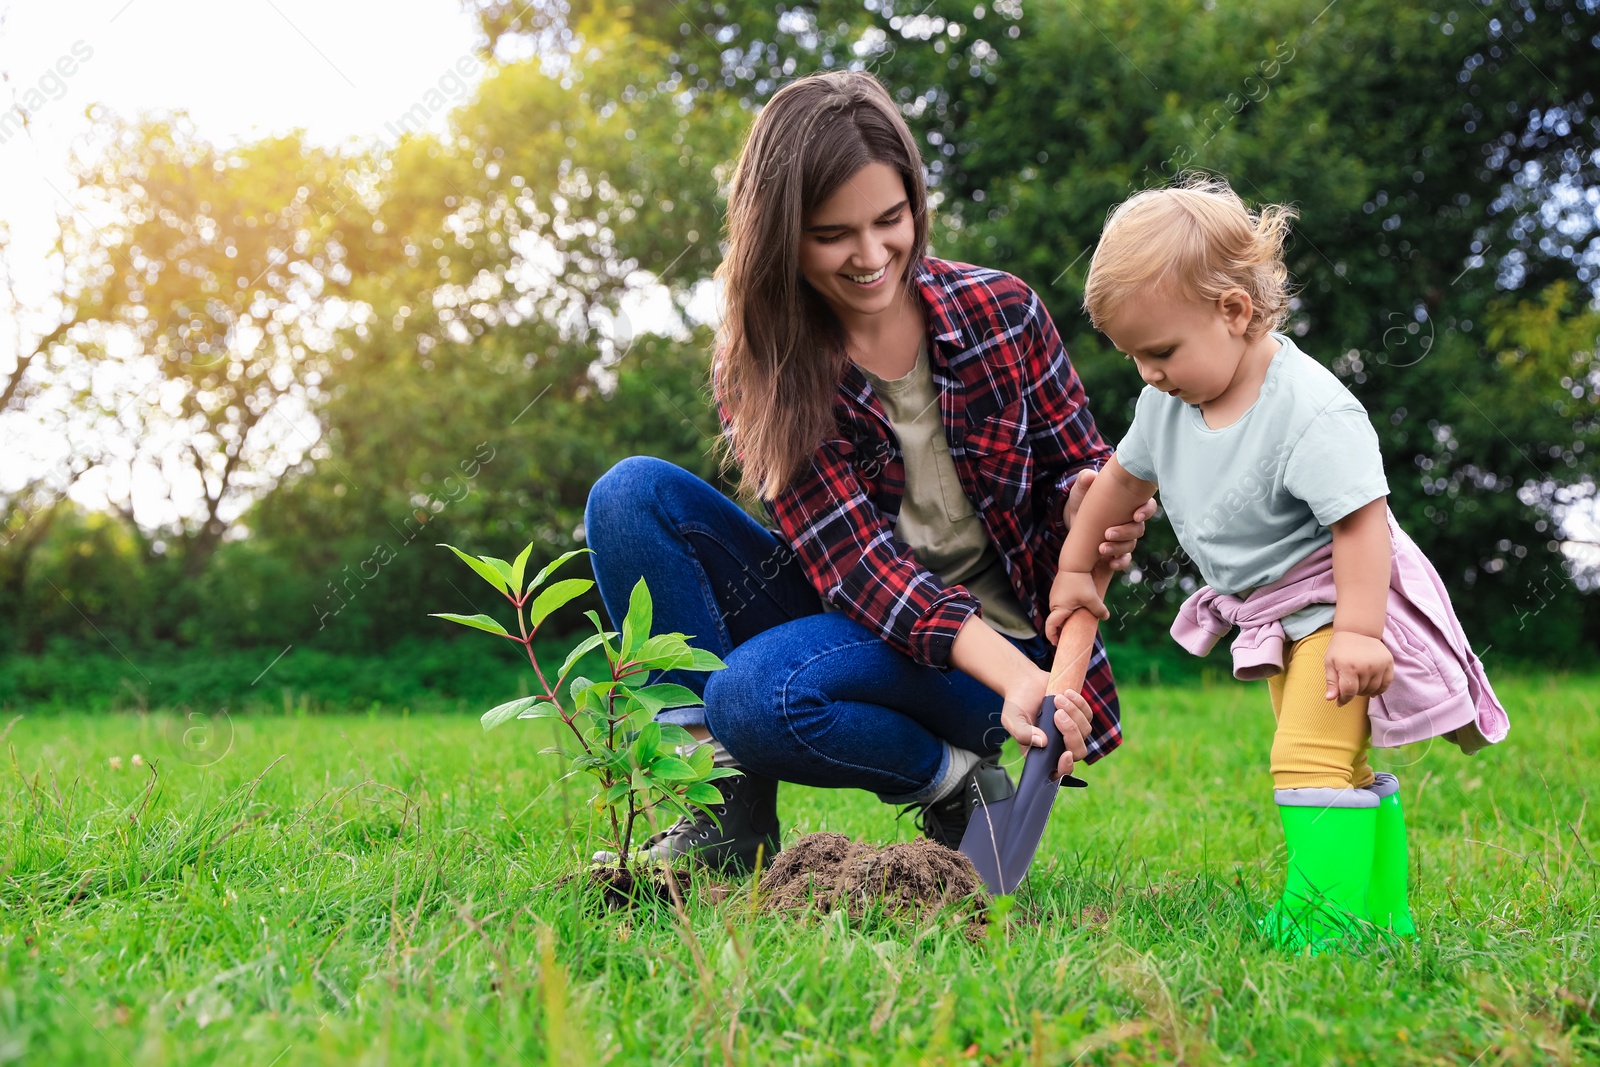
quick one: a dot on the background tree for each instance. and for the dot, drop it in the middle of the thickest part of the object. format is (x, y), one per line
(228, 269)
(477, 294)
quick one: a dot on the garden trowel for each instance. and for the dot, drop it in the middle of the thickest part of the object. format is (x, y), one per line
(1003, 836)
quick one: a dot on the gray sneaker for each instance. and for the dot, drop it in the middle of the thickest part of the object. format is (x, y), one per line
(749, 817)
(945, 821)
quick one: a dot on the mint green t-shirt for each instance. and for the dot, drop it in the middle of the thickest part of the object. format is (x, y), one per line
(1251, 500)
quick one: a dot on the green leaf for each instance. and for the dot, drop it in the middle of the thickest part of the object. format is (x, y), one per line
(591, 696)
(702, 793)
(555, 596)
(611, 653)
(674, 805)
(477, 622)
(645, 750)
(704, 661)
(485, 571)
(675, 735)
(542, 710)
(700, 761)
(595, 733)
(616, 793)
(506, 712)
(672, 769)
(578, 653)
(519, 567)
(650, 736)
(549, 568)
(502, 568)
(629, 710)
(668, 695)
(579, 686)
(636, 626)
(664, 652)
(720, 772)
(665, 695)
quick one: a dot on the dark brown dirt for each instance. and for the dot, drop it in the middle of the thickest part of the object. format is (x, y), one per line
(914, 879)
(621, 890)
(808, 873)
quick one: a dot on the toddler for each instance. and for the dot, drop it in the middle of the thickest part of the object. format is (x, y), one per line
(1270, 473)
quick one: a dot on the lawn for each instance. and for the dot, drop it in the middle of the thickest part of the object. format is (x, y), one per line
(384, 888)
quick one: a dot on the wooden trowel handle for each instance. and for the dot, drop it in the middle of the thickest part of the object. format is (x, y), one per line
(1077, 642)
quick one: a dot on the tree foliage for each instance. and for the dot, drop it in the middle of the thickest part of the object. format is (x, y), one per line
(460, 314)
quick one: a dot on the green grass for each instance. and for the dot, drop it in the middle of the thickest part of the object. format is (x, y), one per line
(383, 889)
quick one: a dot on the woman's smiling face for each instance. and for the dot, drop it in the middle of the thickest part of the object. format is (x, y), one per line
(854, 247)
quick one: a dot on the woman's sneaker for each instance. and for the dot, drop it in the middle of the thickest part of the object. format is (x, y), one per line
(749, 817)
(945, 821)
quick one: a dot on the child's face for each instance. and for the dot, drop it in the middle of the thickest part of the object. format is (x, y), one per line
(1182, 345)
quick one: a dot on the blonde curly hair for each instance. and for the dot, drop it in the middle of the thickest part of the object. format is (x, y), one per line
(1200, 235)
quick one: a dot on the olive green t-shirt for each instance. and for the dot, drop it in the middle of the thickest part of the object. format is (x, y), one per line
(936, 518)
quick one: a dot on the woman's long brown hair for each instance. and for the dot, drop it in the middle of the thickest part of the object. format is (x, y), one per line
(782, 350)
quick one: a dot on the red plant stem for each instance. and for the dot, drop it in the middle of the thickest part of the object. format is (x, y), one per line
(527, 644)
(526, 641)
(611, 742)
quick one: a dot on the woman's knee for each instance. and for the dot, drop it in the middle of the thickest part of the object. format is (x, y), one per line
(739, 699)
(775, 696)
(620, 489)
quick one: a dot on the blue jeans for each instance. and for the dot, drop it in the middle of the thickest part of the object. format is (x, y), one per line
(808, 696)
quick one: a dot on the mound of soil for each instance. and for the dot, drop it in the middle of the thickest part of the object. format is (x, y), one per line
(914, 879)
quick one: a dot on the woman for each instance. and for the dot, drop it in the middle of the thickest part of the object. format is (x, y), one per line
(916, 431)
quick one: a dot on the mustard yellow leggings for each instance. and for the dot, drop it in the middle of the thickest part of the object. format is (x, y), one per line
(1318, 743)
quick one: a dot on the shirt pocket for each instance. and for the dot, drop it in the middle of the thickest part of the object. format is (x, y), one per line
(1002, 459)
(956, 505)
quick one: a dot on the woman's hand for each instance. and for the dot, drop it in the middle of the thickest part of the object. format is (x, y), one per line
(1119, 540)
(1020, 710)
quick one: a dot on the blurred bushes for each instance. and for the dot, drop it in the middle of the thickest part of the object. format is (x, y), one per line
(460, 674)
(1445, 257)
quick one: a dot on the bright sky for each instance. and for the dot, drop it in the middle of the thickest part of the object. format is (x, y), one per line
(243, 69)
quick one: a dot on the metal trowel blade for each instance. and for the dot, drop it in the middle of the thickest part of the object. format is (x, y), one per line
(1003, 836)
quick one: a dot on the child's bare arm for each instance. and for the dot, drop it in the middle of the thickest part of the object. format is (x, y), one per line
(1357, 663)
(1113, 499)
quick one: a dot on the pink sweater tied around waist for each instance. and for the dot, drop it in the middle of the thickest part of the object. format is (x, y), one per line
(1440, 688)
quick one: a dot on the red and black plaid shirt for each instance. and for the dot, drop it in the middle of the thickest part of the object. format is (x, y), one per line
(1019, 431)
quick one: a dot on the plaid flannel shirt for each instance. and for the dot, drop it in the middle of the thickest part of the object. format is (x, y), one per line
(1019, 431)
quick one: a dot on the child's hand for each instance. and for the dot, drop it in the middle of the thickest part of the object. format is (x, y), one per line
(1070, 591)
(1356, 666)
